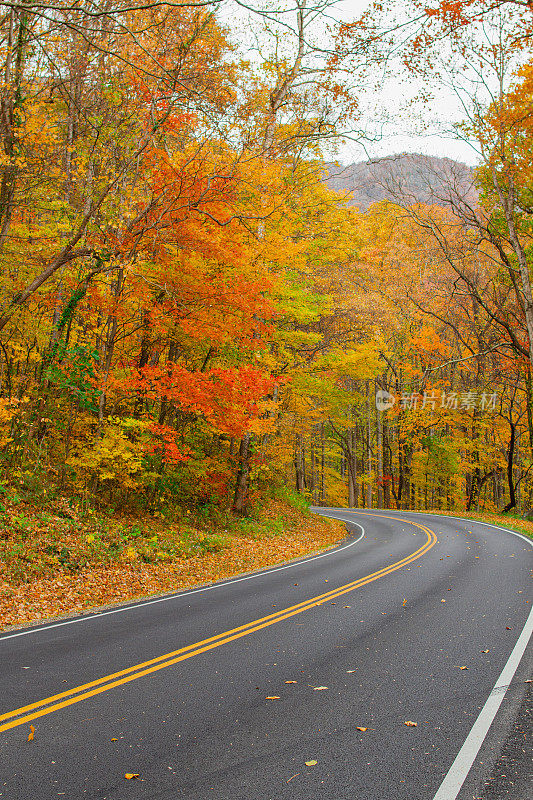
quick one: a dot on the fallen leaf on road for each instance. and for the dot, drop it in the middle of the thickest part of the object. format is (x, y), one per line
(410, 724)
(290, 681)
(130, 775)
(507, 628)
(114, 740)
(404, 601)
(463, 667)
(346, 606)
(320, 688)
(443, 601)
(273, 697)
(360, 729)
(30, 734)
(311, 763)
(350, 670)
(485, 651)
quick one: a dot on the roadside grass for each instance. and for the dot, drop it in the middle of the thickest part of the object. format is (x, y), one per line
(62, 557)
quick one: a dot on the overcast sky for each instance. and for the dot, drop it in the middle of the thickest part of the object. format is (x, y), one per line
(405, 133)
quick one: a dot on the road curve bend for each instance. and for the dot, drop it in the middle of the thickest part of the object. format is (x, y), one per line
(294, 682)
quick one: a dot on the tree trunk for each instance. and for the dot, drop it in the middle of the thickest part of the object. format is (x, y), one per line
(379, 454)
(298, 465)
(109, 349)
(387, 467)
(241, 484)
(529, 401)
(322, 465)
(407, 488)
(10, 114)
(508, 202)
(351, 463)
(368, 447)
(510, 479)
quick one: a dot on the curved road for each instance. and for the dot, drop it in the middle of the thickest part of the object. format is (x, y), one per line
(414, 618)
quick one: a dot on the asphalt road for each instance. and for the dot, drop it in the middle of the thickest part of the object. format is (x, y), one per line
(369, 635)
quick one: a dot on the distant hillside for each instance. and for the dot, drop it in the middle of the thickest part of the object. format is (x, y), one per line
(410, 176)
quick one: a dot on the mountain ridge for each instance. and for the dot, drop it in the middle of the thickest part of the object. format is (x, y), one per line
(414, 177)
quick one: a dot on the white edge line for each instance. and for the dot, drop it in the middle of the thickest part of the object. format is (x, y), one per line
(98, 614)
(458, 772)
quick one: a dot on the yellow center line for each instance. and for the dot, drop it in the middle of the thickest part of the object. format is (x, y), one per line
(167, 660)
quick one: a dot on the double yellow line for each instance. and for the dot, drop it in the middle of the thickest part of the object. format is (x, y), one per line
(25, 714)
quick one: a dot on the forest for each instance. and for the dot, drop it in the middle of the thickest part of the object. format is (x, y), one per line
(192, 320)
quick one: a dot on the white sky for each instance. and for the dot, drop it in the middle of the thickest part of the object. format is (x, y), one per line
(404, 133)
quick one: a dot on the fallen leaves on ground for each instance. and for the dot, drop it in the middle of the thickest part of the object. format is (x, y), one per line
(273, 697)
(320, 688)
(130, 775)
(26, 601)
(361, 729)
(290, 681)
(30, 734)
(311, 763)
(410, 724)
